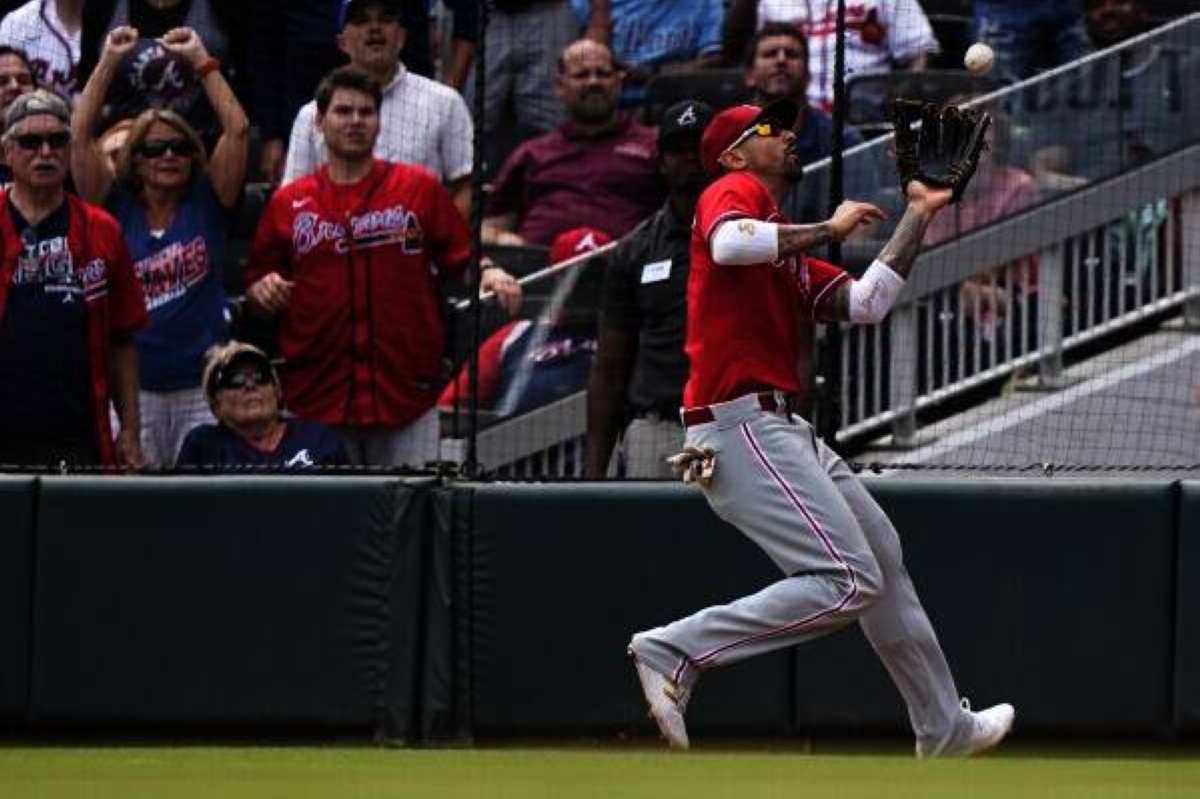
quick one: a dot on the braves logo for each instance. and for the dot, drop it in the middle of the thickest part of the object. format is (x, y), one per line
(393, 225)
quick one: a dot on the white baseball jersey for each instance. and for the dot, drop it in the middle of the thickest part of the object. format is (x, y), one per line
(879, 33)
(422, 122)
(53, 52)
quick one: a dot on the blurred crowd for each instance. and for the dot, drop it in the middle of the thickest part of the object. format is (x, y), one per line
(181, 174)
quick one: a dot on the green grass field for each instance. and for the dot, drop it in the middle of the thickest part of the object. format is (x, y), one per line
(300, 772)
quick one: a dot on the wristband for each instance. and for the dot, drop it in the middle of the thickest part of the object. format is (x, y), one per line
(210, 65)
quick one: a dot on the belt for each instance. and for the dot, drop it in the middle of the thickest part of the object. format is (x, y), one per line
(772, 401)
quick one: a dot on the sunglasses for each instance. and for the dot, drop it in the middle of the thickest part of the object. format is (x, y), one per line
(766, 129)
(35, 141)
(157, 149)
(245, 379)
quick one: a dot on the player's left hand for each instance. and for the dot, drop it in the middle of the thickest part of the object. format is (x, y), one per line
(128, 445)
(928, 198)
(504, 286)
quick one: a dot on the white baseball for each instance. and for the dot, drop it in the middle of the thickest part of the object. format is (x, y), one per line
(979, 59)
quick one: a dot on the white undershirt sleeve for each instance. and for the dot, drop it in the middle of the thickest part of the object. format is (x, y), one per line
(745, 241)
(874, 294)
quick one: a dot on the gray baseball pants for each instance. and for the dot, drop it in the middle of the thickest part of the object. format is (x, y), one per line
(794, 497)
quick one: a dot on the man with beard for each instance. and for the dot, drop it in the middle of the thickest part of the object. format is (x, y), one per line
(640, 366)
(597, 169)
(763, 469)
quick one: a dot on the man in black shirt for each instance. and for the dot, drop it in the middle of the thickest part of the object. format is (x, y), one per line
(640, 365)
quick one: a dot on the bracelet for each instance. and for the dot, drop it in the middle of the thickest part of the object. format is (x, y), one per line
(211, 65)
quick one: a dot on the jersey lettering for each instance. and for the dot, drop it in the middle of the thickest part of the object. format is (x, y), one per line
(168, 274)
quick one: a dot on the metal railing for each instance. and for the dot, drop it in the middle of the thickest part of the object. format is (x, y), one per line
(1112, 240)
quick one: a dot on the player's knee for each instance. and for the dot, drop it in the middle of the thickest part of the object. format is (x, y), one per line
(868, 582)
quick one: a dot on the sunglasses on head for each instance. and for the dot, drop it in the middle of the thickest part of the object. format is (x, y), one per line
(157, 149)
(35, 141)
(245, 378)
(766, 129)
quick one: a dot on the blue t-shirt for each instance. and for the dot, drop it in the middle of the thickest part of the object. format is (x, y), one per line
(180, 273)
(45, 377)
(304, 445)
(655, 32)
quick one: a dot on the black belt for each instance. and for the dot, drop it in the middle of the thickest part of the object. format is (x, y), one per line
(767, 400)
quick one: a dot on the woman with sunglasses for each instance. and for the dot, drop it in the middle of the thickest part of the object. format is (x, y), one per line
(175, 206)
(251, 433)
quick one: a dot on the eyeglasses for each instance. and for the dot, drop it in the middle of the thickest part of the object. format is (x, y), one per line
(21, 80)
(245, 379)
(157, 149)
(35, 141)
(766, 129)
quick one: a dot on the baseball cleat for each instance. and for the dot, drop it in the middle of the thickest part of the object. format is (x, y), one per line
(666, 703)
(988, 727)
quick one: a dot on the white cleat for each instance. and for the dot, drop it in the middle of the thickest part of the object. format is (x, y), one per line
(667, 702)
(988, 728)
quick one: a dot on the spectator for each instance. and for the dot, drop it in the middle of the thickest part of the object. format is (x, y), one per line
(525, 39)
(1111, 22)
(244, 393)
(292, 45)
(653, 36)
(423, 122)
(345, 258)
(598, 167)
(640, 365)
(175, 206)
(1030, 35)
(17, 78)
(527, 364)
(69, 304)
(777, 69)
(49, 32)
(880, 35)
(152, 75)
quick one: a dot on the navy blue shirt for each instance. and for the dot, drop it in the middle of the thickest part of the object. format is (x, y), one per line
(45, 381)
(304, 445)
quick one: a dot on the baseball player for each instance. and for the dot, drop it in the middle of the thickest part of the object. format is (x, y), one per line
(346, 258)
(761, 466)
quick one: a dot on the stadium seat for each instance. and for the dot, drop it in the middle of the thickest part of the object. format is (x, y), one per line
(720, 88)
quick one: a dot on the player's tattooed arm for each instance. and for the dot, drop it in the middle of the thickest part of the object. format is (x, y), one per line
(795, 239)
(902, 249)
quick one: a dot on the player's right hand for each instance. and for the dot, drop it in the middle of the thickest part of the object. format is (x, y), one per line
(271, 293)
(851, 215)
(120, 41)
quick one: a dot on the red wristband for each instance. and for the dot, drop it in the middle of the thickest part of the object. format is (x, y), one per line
(212, 64)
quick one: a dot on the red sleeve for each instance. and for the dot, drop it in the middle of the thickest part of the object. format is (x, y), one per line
(731, 197)
(448, 238)
(491, 352)
(126, 300)
(272, 248)
(508, 189)
(822, 280)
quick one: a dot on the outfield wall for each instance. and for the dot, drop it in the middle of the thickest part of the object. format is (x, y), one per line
(416, 611)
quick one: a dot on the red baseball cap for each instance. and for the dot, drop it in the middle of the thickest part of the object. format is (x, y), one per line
(576, 241)
(731, 123)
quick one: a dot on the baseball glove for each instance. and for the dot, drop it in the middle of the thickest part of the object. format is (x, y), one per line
(944, 150)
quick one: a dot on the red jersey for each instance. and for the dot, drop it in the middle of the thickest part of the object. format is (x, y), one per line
(362, 333)
(111, 292)
(743, 328)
